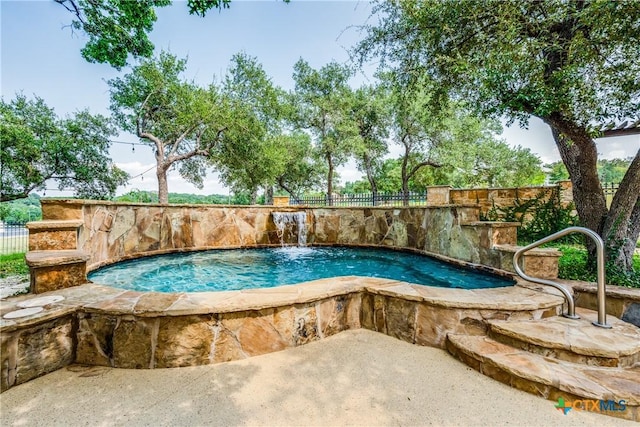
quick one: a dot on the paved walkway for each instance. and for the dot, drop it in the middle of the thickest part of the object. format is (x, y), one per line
(354, 378)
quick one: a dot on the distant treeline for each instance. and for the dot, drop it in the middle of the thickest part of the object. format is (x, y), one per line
(186, 198)
(21, 211)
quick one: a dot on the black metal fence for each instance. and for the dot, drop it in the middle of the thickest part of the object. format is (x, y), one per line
(14, 238)
(364, 199)
(610, 188)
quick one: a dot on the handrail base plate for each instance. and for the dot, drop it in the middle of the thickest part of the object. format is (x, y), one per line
(601, 325)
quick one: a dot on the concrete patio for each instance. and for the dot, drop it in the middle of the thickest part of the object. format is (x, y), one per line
(357, 377)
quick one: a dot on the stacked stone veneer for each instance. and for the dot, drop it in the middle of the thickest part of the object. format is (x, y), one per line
(110, 232)
(487, 198)
(103, 326)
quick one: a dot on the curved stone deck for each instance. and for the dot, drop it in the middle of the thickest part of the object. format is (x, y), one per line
(104, 326)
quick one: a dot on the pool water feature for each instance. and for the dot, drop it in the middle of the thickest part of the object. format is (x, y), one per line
(239, 269)
(294, 221)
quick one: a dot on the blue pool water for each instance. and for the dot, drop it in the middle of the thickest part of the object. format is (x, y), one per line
(264, 268)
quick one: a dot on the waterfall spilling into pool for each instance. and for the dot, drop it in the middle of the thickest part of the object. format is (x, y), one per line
(293, 222)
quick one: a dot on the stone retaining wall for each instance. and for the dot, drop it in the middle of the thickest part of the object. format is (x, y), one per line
(103, 326)
(487, 198)
(109, 232)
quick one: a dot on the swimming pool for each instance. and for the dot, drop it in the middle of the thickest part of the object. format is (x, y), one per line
(238, 269)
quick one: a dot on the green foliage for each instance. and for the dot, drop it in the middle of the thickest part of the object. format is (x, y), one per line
(540, 217)
(257, 152)
(115, 28)
(370, 112)
(180, 120)
(118, 28)
(608, 170)
(323, 99)
(21, 211)
(139, 196)
(578, 59)
(201, 7)
(36, 146)
(573, 265)
(573, 64)
(13, 265)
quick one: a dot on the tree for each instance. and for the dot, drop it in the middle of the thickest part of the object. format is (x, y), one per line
(299, 171)
(322, 99)
(572, 64)
(119, 28)
(557, 171)
(253, 156)
(36, 146)
(369, 110)
(472, 156)
(180, 120)
(417, 126)
(609, 171)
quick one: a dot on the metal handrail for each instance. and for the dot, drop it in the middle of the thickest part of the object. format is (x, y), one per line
(571, 309)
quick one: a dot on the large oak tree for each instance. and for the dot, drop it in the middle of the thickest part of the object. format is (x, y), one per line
(37, 148)
(323, 102)
(180, 120)
(574, 64)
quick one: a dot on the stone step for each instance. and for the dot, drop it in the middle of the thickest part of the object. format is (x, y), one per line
(53, 234)
(537, 262)
(586, 387)
(51, 270)
(577, 341)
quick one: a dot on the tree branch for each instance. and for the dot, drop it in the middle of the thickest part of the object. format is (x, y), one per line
(420, 165)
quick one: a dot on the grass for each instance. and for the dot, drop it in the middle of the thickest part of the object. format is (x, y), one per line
(573, 266)
(13, 265)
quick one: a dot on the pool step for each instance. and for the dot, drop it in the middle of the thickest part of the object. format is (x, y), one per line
(54, 234)
(609, 390)
(573, 340)
(51, 270)
(557, 357)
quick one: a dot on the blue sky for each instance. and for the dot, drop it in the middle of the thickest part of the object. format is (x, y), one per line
(39, 55)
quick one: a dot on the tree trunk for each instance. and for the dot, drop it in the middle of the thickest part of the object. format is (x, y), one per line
(405, 179)
(268, 195)
(372, 180)
(619, 227)
(284, 186)
(329, 179)
(163, 186)
(622, 225)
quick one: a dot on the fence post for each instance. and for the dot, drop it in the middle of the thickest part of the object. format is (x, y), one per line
(438, 195)
(280, 200)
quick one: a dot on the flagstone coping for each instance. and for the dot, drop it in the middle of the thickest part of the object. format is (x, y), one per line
(108, 300)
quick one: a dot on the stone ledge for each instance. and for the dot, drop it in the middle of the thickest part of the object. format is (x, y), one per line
(96, 298)
(545, 252)
(37, 259)
(54, 225)
(612, 291)
(495, 224)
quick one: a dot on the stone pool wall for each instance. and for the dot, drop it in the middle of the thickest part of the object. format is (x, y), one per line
(107, 232)
(102, 326)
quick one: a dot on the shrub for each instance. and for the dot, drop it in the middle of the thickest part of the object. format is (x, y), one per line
(573, 266)
(540, 217)
(13, 265)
